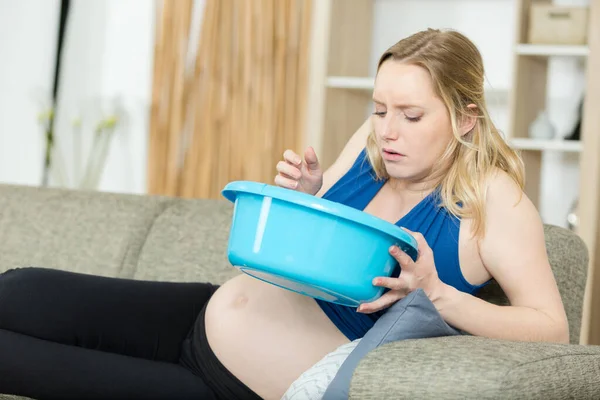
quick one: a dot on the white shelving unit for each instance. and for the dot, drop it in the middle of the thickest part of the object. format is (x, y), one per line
(551, 50)
(572, 146)
(350, 82)
(529, 97)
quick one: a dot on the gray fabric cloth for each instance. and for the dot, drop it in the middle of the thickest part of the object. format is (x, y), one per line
(413, 317)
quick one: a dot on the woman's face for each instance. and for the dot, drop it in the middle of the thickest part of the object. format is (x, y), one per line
(412, 126)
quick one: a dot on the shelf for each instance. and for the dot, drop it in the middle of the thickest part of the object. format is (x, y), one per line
(573, 146)
(350, 82)
(551, 50)
(359, 83)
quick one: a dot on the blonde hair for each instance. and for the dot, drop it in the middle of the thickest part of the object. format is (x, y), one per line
(456, 68)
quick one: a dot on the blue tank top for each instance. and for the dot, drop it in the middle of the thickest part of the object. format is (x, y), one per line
(440, 228)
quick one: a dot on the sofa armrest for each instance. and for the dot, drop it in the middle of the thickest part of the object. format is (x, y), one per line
(469, 367)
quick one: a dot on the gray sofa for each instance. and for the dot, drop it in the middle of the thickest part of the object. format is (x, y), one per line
(159, 238)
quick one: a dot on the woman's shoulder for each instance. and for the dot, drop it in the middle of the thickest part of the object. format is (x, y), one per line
(509, 212)
(506, 206)
(502, 190)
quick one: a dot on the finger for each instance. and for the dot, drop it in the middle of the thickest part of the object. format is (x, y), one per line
(403, 259)
(312, 162)
(292, 157)
(285, 182)
(289, 170)
(383, 302)
(399, 284)
(287, 176)
(422, 244)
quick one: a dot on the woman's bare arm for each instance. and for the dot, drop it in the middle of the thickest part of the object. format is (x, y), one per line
(514, 253)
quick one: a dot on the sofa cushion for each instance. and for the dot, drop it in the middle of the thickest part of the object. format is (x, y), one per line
(188, 242)
(88, 232)
(473, 367)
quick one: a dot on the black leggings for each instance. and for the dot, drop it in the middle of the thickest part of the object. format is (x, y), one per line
(67, 335)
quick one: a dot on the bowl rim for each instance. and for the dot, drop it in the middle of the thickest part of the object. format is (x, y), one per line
(231, 190)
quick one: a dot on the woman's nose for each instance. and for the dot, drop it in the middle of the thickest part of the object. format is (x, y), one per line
(389, 132)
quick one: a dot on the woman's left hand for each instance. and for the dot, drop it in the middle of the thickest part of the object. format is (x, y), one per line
(414, 275)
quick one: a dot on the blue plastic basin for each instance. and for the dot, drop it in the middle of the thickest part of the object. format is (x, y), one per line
(310, 245)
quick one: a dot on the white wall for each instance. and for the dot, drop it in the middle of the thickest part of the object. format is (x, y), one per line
(108, 54)
(27, 47)
(128, 68)
(491, 26)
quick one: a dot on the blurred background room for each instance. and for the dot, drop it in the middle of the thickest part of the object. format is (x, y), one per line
(180, 97)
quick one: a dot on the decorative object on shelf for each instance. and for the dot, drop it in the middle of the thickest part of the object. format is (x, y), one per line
(546, 50)
(556, 24)
(541, 127)
(573, 217)
(576, 133)
(103, 134)
(106, 117)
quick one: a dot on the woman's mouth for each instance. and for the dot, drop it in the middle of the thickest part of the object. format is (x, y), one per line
(391, 155)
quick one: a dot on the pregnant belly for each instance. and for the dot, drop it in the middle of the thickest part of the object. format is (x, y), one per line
(267, 336)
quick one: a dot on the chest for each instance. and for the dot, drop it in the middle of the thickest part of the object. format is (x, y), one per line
(415, 214)
(387, 206)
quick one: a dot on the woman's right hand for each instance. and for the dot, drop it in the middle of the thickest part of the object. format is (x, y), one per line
(302, 175)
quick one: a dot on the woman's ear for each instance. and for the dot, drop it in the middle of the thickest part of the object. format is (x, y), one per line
(468, 120)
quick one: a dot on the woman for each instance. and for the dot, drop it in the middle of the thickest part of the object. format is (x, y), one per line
(429, 143)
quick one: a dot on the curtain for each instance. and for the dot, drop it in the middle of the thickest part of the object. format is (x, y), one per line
(231, 112)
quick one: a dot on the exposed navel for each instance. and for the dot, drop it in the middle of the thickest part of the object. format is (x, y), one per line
(240, 301)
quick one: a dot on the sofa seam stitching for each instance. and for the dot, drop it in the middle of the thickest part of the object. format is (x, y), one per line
(163, 207)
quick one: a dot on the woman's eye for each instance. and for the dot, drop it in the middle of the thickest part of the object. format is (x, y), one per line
(413, 119)
(379, 113)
